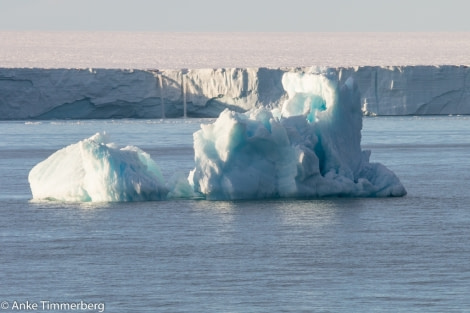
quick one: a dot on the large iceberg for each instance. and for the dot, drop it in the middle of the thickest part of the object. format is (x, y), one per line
(308, 148)
(96, 170)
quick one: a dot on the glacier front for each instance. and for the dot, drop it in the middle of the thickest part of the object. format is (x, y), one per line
(35, 93)
(308, 148)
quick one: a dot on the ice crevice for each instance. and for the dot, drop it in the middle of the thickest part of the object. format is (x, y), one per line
(309, 147)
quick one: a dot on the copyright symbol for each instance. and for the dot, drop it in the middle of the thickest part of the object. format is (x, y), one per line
(4, 305)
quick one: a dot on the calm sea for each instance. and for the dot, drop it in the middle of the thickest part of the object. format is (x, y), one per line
(407, 254)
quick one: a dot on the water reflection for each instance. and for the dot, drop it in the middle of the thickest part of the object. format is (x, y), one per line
(293, 212)
(279, 222)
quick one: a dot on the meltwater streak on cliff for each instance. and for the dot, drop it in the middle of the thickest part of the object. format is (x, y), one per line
(118, 93)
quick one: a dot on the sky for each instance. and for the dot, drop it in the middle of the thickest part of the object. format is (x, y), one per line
(236, 15)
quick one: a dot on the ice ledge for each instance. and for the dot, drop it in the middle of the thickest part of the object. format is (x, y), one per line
(35, 93)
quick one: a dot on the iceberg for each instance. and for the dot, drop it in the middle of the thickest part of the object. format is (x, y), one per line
(308, 148)
(95, 170)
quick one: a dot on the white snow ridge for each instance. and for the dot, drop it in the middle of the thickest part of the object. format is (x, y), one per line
(308, 148)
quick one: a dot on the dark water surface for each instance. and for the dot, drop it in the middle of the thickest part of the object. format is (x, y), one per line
(405, 254)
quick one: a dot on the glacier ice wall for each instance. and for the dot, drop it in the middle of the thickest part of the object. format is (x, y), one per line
(36, 93)
(94, 170)
(412, 90)
(308, 148)
(75, 93)
(112, 93)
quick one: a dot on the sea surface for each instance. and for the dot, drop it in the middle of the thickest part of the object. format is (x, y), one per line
(407, 254)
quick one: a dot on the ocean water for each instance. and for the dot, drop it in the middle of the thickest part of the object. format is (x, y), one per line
(405, 254)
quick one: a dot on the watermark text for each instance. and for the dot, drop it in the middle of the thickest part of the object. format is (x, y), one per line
(48, 305)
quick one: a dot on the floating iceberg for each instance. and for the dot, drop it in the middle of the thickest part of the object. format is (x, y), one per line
(95, 170)
(309, 148)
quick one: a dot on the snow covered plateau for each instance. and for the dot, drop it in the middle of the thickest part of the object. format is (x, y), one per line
(36, 93)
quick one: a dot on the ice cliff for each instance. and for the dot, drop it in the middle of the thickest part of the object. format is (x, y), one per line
(110, 93)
